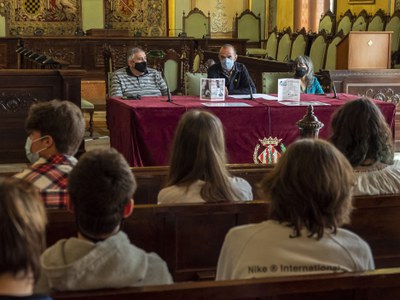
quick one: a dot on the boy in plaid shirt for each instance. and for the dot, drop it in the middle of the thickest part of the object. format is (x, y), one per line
(55, 131)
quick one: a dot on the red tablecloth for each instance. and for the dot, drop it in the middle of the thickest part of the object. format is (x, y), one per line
(142, 130)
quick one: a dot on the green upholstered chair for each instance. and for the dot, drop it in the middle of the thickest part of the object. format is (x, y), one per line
(345, 22)
(317, 51)
(248, 26)
(272, 44)
(192, 83)
(330, 60)
(394, 25)
(284, 45)
(88, 107)
(299, 44)
(360, 23)
(377, 22)
(196, 24)
(173, 66)
(270, 81)
(327, 23)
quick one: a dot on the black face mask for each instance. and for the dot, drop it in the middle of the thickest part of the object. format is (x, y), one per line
(300, 72)
(141, 67)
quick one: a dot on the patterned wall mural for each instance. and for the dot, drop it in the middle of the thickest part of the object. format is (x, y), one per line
(144, 17)
(43, 17)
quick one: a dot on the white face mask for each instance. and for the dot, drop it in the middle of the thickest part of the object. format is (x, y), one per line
(32, 157)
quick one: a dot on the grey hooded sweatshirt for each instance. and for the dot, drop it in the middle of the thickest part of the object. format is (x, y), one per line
(77, 264)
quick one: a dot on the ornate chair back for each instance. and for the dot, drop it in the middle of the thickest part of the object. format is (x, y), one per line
(196, 24)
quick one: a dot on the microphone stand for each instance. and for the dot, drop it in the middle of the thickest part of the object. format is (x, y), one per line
(168, 93)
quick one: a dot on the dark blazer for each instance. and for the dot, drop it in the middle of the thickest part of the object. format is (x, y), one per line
(239, 81)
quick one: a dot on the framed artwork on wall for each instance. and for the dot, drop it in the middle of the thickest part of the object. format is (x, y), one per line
(361, 1)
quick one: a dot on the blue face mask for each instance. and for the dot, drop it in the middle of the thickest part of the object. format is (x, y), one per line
(227, 63)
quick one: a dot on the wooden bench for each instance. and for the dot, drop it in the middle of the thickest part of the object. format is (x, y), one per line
(379, 284)
(188, 237)
(152, 179)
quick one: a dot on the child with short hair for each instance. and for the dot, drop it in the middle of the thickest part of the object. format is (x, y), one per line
(101, 187)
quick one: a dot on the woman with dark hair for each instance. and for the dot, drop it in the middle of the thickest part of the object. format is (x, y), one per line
(197, 170)
(22, 231)
(310, 191)
(361, 133)
(305, 72)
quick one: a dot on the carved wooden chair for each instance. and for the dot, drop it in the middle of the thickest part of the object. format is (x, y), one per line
(345, 22)
(198, 71)
(327, 23)
(248, 26)
(361, 21)
(284, 45)
(394, 25)
(299, 44)
(330, 57)
(196, 24)
(173, 66)
(377, 21)
(272, 45)
(318, 50)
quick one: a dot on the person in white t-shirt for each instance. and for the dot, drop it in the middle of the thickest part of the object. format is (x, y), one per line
(310, 193)
(198, 170)
(361, 133)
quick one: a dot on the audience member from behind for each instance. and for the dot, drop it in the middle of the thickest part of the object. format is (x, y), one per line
(101, 188)
(237, 78)
(310, 193)
(22, 231)
(361, 133)
(137, 79)
(197, 170)
(305, 72)
(55, 131)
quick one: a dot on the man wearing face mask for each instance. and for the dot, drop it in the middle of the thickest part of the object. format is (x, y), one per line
(55, 131)
(305, 72)
(237, 78)
(137, 79)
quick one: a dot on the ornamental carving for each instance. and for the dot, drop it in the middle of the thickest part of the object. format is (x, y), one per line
(140, 17)
(387, 95)
(219, 19)
(44, 17)
(16, 102)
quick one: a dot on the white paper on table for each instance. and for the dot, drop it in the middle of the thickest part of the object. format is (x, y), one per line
(289, 89)
(303, 103)
(226, 104)
(255, 96)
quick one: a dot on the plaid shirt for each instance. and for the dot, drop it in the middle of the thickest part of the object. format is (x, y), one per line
(50, 176)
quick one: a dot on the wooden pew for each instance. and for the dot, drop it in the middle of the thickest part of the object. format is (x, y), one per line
(188, 237)
(152, 179)
(379, 284)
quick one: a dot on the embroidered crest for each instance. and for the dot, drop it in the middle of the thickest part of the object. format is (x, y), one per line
(270, 155)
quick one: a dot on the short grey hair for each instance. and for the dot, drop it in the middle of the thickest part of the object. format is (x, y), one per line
(132, 52)
(224, 46)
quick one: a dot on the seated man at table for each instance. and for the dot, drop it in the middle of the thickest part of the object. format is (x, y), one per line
(137, 79)
(237, 78)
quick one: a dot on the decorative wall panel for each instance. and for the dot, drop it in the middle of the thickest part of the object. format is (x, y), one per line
(141, 17)
(44, 17)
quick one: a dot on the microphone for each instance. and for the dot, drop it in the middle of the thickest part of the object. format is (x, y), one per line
(332, 86)
(168, 90)
(251, 92)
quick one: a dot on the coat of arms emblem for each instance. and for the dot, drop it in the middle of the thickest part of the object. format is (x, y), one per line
(270, 155)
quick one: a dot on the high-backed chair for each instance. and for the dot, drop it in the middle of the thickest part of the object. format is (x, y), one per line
(318, 50)
(330, 58)
(196, 24)
(299, 44)
(361, 21)
(394, 25)
(272, 45)
(248, 26)
(173, 66)
(327, 23)
(270, 81)
(377, 21)
(345, 22)
(284, 45)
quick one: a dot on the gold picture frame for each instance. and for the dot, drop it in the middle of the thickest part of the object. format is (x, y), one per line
(361, 1)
